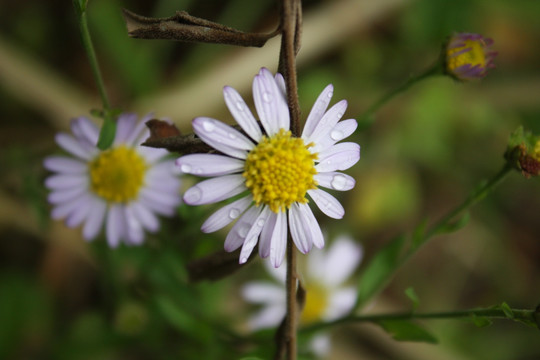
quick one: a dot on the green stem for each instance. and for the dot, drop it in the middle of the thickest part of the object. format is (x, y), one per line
(368, 117)
(108, 130)
(527, 316)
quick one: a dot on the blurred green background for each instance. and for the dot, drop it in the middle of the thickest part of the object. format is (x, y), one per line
(61, 298)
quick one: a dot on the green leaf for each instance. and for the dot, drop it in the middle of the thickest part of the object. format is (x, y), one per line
(456, 225)
(107, 134)
(480, 321)
(419, 235)
(404, 330)
(507, 310)
(411, 294)
(380, 270)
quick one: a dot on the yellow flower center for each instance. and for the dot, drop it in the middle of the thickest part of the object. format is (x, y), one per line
(279, 171)
(117, 174)
(316, 304)
(474, 56)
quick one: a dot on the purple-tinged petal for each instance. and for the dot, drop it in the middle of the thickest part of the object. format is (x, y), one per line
(78, 215)
(134, 229)
(94, 222)
(338, 157)
(63, 182)
(317, 111)
(115, 228)
(72, 146)
(65, 209)
(342, 130)
(151, 155)
(213, 190)
(139, 132)
(328, 121)
(235, 237)
(280, 82)
(279, 240)
(64, 164)
(222, 137)
(226, 215)
(147, 218)
(157, 206)
(65, 195)
(265, 240)
(209, 164)
(160, 197)
(335, 181)
(241, 113)
(85, 131)
(124, 127)
(253, 234)
(299, 228)
(270, 103)
(316, 233)
(327, 203)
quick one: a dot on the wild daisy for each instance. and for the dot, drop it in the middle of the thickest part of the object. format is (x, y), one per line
(275, 170)
(323, 278)
(469, 56)
(124, 186)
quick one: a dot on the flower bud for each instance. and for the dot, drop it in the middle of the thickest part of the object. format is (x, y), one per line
(468, 56)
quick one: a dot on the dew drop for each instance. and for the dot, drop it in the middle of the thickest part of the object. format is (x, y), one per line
(339, 115)
(234, 213)
(198, 171)
(208, 126)
(243, 231)
(185, 168)
(336, 135)
(330, 94)
(193, 195)
(339, 182)
(240, 106)
(261, 222)
(232, 136)
(267, 97)
(243, 260)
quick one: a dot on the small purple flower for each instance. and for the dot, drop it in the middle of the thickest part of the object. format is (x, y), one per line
(469, 56)
(124, 186)
(273, 169)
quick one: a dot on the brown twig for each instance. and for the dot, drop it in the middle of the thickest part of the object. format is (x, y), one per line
(184, 27)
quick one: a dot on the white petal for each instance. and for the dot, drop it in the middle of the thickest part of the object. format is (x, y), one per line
(341, 260)
(71, 145)
(328, 121)
(65, 195)
(341, 302)
(78, 215)
(209, 164)
(316, 233)
(265, 240)
(95, 219)
(235, 237)
(63, 182)
(253, 234)
(150, 155)
(124, 127)
(139, 131)
(268, 317)
(299, 228)
(263, 293)
(85, 131)
(320, 344)
(317, 111)
(342, 130)
(220, 135)
(280, 81)
(279, 240)
(338, 157)
(158, 207)
(214, 190)
(160, 197)
(65, 209)
(115, 225)
(269, 101)
(327, 203)
(64, 164)
(335, 181)
(147, 218)
(226, 215)
(134, 229)
(241, 113)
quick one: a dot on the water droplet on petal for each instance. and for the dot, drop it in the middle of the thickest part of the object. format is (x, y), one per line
(339, 182)
(198, 171)
(240, 106)
(336, 135)
(243, 231)
(261, 222)
(232, 136)
(234, 213)
(208, 125)
(339, 115)
(330, 94)
(193, 195)
(185, 168)
(267, 97)
(243, 260)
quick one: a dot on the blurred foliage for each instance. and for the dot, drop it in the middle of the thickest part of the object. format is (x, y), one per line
(61, 298)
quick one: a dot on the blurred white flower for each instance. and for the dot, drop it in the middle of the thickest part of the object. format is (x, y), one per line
(123, 186)
(327, 298)
(276, 170)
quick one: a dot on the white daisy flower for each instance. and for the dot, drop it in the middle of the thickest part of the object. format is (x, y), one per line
(276, 170)
(323, 278)
(124, 186)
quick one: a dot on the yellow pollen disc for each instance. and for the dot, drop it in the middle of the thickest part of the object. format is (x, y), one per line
(279, 171)
(316, 304)
(117, 174)
(475, 56)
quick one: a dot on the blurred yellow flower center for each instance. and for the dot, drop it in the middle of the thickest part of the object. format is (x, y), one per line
(279, 171)
(117, 174)
(474, 56)
(316, 304)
